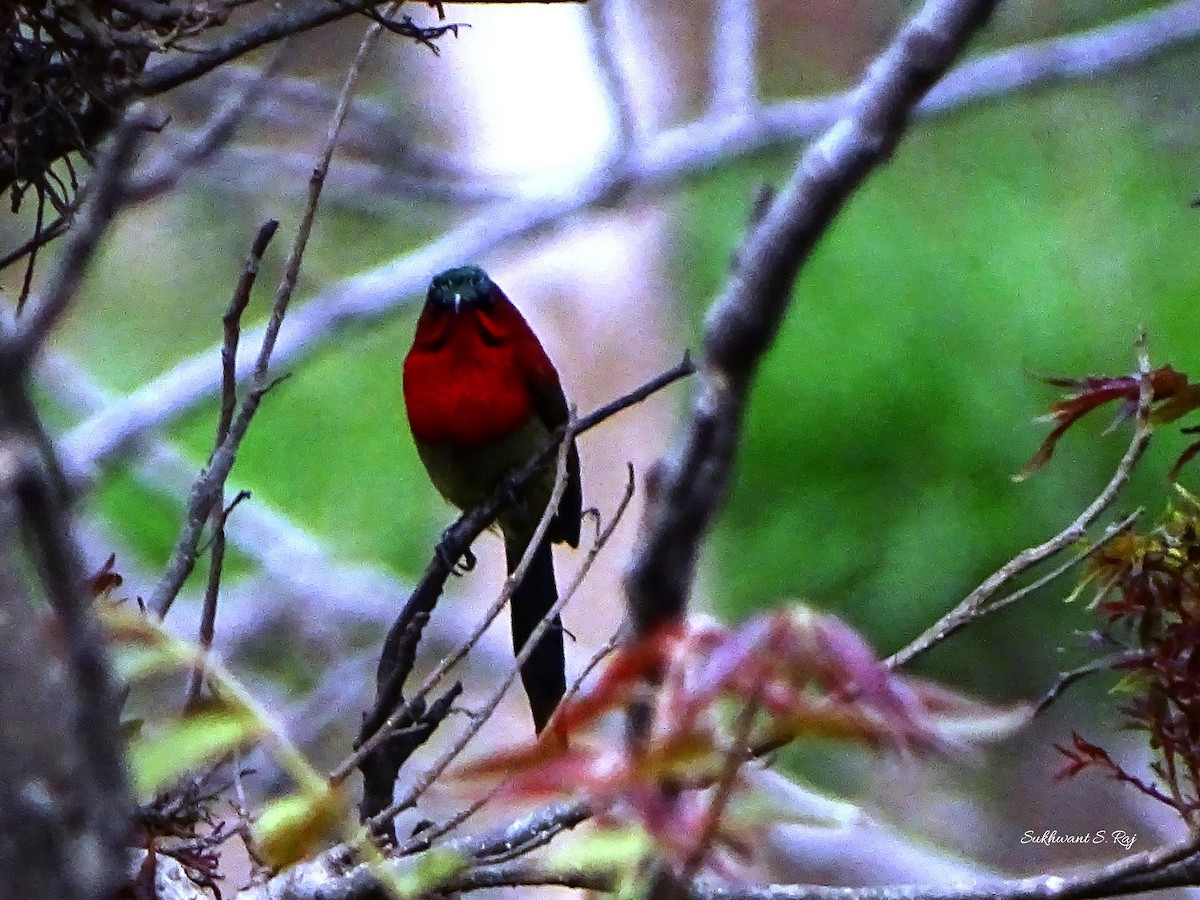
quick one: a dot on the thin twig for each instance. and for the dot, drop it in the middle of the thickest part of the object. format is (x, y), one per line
(103, 197)
(288, 19)
(209, 141)
(39, 238)
(208, 486)
(1071, 676)
(481, 716)
(608, 30)
(973, 605)
(232, 327)
(1033, 587)
(737, 753)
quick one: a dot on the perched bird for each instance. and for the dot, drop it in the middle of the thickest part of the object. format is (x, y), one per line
(482, 397)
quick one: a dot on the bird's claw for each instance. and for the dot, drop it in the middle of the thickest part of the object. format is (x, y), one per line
(459, 566)
(464, 565)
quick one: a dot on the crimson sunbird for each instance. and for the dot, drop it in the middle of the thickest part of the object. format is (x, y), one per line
(482, 397)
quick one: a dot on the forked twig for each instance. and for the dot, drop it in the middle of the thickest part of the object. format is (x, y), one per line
(207, 489)
(980, 601)
(426, 780)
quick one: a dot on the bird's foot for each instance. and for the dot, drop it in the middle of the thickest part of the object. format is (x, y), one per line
(459, 566)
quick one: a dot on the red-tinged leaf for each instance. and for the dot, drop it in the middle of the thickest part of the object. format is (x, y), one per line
(631, 666)
(1186, 456)
(105, 579)
(541, 756)
(1081, 755)
(801, 674)
(1172, 396)
(753, 646)
(852, 670)
(599, 772)
(1183, 400)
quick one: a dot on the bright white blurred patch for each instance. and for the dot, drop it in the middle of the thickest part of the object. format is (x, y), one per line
(529, 100)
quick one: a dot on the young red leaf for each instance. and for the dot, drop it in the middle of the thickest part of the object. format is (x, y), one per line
(1172, 396)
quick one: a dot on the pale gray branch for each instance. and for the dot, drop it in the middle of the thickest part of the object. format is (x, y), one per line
(670, 155)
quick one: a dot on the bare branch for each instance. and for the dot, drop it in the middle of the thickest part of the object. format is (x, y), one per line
(208, 490)
(104, 195)
(976, 603)
(1103, 664)
(294, 18)
(608, 36)
(734, 58)
(743, 322)
(232, 326)
(209, 141)
(672, 154)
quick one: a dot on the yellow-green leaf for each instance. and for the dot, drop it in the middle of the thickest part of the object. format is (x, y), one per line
(160, 757)
(131, 662)
(429, 871)
(605, 850)
(291, 828)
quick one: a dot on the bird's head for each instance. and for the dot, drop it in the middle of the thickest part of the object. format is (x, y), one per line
(465, 287)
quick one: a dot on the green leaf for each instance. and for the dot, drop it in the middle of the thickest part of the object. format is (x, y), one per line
(161, 757)
(291, 828)
(429, 871)
(131, 662)
(619, 848)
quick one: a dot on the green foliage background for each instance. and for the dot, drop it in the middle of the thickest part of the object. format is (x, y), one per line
(1024, 236)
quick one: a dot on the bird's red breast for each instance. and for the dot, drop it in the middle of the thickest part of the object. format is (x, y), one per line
(473, 375)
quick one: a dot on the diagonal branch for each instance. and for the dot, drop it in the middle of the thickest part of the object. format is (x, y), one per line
(672, 154)
(691, 483)
(206, 492)
(980, 600)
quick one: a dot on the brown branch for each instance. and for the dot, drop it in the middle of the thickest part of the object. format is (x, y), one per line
(208, 491)
(293, 18)
(425, 839)
(38, 239)
(1110, 663)
(743, 322)
(232, 327)
(289, 19)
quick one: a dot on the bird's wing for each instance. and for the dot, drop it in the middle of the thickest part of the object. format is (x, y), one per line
(550, 406)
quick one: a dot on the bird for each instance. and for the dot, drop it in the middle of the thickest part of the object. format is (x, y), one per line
(482, 396)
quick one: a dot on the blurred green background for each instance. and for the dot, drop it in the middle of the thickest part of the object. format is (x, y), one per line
(1027, 235)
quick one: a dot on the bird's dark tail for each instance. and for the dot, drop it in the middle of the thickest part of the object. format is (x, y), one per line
(544, 673)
